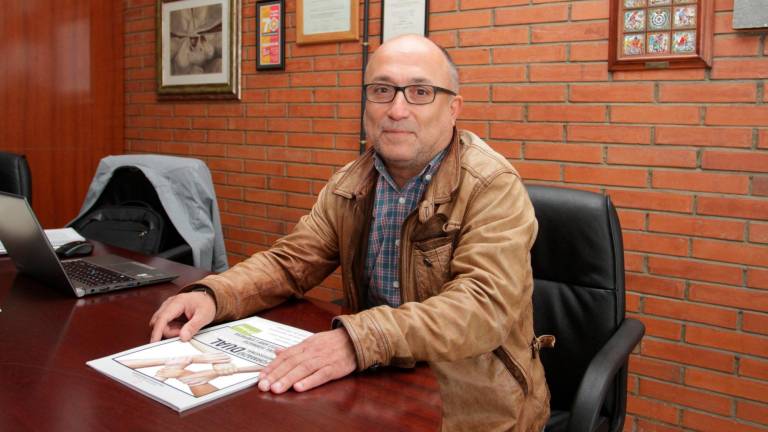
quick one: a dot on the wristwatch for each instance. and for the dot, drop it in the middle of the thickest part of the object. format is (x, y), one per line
(204, 289)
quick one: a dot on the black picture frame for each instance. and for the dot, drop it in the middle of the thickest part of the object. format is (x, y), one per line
(409, 11)
(270, 23)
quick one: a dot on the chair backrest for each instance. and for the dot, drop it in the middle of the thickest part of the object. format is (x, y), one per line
(15, 176)
(578, 270)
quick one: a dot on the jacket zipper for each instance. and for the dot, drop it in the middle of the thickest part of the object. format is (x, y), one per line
(514, 369)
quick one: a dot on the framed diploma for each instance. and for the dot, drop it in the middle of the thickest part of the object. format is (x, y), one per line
(401, 17)
(321, 21)
(271, 35)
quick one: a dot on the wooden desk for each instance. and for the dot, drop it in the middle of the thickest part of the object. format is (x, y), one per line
(46, 337)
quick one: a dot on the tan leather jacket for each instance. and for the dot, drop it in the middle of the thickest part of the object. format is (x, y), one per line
(465, 280)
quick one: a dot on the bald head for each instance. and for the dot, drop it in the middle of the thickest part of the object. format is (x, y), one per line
(423, 47)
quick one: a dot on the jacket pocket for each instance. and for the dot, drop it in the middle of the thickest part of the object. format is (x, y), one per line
(432, 265)
(514, 368)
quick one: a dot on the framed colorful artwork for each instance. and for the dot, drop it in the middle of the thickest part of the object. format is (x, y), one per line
(271, 35)
(399, 17)
(660, 34)
(198, 49)
(321, 21)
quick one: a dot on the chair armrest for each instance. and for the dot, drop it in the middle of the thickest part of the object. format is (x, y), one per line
(176, 252)
(600, 372)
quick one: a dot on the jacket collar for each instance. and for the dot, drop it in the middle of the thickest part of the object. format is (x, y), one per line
(361, 175)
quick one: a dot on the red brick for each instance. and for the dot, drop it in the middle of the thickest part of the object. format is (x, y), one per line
(696, 226)
(589, 10)
(209, 123)
(606, 176)
(694, 270)
(538, 171)
(653, 243)
(467, 56)
(529, 54)
(527, 131)
(266, 197)
(708, 92)
(691, 312)
(753, 368)
(745, 299)
(531, 14)
(226, 137)
(655, 285)
(478, 4)
(704, 136)
(634, 262)
(567, 113)
(225, 110)
(337, 95)
(740, 69)
(309, 171)
(314, 79)
(529, 93)
(755, 323)
(750, 411)
(652, 157)
(651, 408)
(706, 423)
(609, 134)
(255, 181)
(631, 219)
(736, 45)
(493, 36)
(310, 140)
(669, 114)
(289, 185)
(660, 75)
(265, 81)
(289, 155)
(699, 181)
(266, 110)
(338, 158)
(632, 303)
(308, 110)
(757, 278)
(733, 207)
(472, 111)
(760, 185)
(763, 138)
(475, 93)
(646, 425)
(290, 95)
(264, 138)
(684, 396)
(737, 115)
(335, 125)
(567, 72)
(289, 125)
(473, 19)
(613, 92)
(735, 161)
(589, 51)
(489, 74)
(758, 233)
(569, 32)
(662, 370)
(564, 152)
(729, 341)
(737, 253)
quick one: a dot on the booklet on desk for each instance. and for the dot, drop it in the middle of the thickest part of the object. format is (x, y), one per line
(216, 362)
(57, 237)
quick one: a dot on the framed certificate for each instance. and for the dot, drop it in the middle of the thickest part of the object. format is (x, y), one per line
(399, 17)
(270, 15)
(319, 21)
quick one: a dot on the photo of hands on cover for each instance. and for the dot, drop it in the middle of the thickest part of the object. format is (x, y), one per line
(191, 367)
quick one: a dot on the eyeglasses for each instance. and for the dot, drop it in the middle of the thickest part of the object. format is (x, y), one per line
(415, 94)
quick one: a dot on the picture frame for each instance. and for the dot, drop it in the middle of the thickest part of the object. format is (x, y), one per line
(270, 39)
(322, 21)
(660, 34)
(399, 17)
(198, 49)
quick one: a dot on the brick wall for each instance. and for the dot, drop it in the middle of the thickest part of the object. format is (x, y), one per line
(683, 154)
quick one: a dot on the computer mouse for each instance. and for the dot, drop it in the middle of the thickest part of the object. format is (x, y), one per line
(74, 249)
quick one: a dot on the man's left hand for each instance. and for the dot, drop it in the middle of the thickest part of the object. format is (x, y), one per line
(320, 358)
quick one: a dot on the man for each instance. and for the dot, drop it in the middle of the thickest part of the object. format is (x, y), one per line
(432, 230)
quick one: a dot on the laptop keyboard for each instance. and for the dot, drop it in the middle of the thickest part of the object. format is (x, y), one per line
(92, 275)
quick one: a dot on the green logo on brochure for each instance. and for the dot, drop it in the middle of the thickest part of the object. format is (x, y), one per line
(246, 329)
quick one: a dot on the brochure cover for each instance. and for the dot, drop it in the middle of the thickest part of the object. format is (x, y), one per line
(218, 361)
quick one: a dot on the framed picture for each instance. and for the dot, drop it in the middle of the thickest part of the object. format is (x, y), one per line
(198, 49)
(319, 21)
(399, 17)
(271, 34)
(660, 34)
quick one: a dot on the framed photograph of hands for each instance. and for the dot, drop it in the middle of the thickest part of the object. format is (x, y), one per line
(399, 17)
(198, 49)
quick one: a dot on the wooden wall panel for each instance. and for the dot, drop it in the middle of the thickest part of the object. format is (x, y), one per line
(61, 95)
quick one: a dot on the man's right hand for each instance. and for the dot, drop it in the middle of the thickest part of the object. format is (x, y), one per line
(182, 315)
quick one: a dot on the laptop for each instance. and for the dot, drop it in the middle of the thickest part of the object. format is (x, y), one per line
(34, 256)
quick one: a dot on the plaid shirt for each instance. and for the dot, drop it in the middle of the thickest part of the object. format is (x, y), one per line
(391, 207)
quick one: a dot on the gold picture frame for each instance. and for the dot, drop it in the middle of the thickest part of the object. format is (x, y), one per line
(198, 49)
(321, 21)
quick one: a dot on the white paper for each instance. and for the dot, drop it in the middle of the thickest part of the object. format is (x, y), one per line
(57, 237)
(403, 17)
(326, 16)
(218, 361)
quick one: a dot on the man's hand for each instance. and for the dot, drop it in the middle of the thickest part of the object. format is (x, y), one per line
(182, 315)
(320, 358)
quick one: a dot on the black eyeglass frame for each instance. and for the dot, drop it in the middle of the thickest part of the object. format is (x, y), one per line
(435, 88)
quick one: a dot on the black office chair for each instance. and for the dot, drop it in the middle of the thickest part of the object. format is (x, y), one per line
(129, 214)
(578, 270)
(15, 176)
